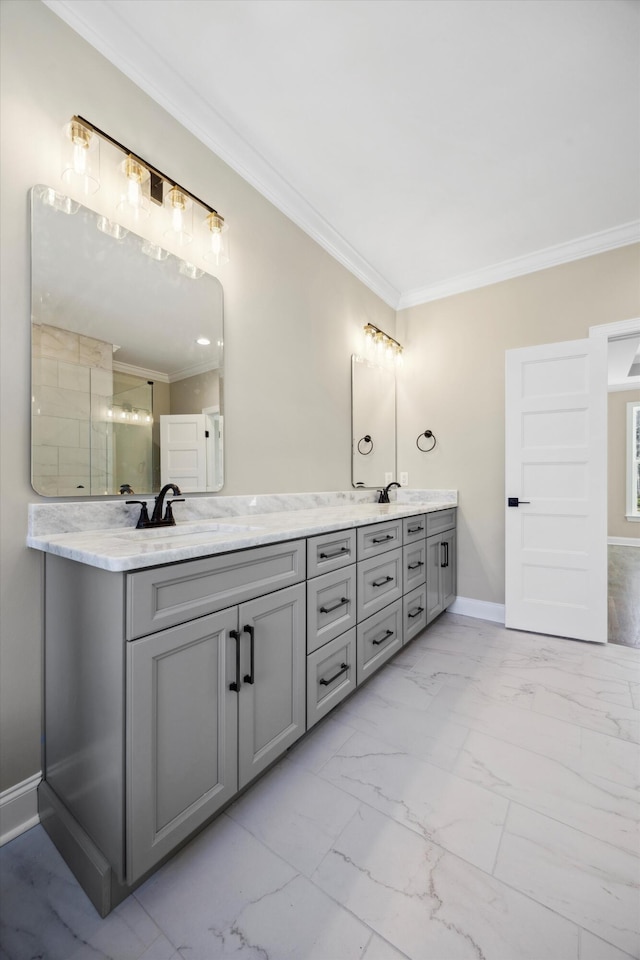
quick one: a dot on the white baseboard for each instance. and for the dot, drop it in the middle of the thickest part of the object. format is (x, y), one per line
(623, 541)
(19, 809)
(482, 609)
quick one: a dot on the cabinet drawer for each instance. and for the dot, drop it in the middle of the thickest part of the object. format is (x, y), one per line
(331, 675)
(378, 638)
(330, 551)
(440, 520)
(378, 538)
(331, 606)
(379, 582)
(414, 528)
(165, 596)
(414, 608)
(414, 567)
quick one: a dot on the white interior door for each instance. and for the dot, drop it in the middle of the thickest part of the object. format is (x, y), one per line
(556, 468)
(183, 453)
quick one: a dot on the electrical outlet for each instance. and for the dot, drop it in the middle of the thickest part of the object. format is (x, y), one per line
(404, 479)
(388, 478)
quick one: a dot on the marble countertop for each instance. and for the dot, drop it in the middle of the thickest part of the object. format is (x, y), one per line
(125, 548)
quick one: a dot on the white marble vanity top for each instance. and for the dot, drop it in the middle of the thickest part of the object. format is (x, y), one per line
(121, 547)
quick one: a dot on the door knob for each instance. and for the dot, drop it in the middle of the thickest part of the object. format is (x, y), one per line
(514, 502)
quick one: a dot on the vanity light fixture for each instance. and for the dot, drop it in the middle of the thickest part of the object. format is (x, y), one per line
(383, 346)
(142, 186)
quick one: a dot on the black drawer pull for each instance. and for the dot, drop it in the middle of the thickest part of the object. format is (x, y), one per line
(415, 612)
(387, 634)
(235, 684)
(389, 536)
(341, 602)
(330, 556)
(250, 677)
(415, 529)
(414, 566)
(380, 583)
(343, 668)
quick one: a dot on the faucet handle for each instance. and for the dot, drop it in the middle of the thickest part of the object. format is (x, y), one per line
(143, 519)
(168, 513)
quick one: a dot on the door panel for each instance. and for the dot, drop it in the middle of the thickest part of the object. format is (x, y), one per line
(183, 452)
(556, 461)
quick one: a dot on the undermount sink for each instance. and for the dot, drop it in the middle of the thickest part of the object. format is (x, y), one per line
(207, 527)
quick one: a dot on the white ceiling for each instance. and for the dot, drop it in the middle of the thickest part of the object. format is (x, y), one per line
(430, 145)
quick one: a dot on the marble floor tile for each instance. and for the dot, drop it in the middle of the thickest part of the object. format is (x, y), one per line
(379, 949)
(428, 903)
(604, 810)
(545, 735)
(635, 694)
(590, 882)
(593, 948)
(227, 896)
(459, 816)
(458, 670)
(568, 680)
(609, 758)
(408, 687)
(589, 712)
(45, 914)
(321, 743)
(294, 813)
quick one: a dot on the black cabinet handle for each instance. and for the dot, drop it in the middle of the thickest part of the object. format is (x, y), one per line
(415, 529)
(380, 583)
(341, 602)
(343, 668)
(389, 536)
(414, 566)
(330, 556)
(415, 612)
(444, 553)
(386, 635)
(250, 677)
(235, 684)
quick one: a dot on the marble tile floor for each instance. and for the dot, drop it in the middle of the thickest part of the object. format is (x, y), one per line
(478, 798)
(624, 594)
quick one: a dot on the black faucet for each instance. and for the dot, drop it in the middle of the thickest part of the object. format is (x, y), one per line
(157, 520)
(384, 494)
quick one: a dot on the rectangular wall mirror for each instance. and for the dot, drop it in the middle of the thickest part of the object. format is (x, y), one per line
(127, 360)
(373, 423)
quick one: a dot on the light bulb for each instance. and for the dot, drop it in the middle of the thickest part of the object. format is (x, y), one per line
(180, 210)
(135, 190)
(216, 249)
(81, 157)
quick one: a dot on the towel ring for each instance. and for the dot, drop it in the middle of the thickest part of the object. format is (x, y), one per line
(430, 436)
(365, 439)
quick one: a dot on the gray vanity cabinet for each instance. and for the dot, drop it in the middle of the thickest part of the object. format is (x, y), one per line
(441, 562)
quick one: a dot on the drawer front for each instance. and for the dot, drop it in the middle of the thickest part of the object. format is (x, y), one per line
(378, 538)
(414, 565)
(166, 596)
(331, 606)
(414, 606)
(414, 528)
(330, 551)
(440, 520)
(379, 638)
(379, 582)
(331, 675)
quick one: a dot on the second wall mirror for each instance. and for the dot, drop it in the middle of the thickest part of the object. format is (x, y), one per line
(373, 423)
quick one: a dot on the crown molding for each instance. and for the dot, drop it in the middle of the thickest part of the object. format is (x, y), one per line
(131, 54)
(594, 243)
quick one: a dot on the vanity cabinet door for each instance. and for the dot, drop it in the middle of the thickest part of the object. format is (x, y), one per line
(182, 735)
(441, 573)
(271, 699)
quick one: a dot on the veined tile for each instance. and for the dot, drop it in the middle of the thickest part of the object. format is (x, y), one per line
(635, 695)
(212, 905)
(458, 670)
(379, 949)
(428, 903)
(568, 679)
(60, 923)
(589, 712)
(593, 948)
(605, 810)
(545, 735)
(583, 879)
(610, 758)
(313, 750)
(612, 662)
(459, 816)
(408, 687)
(295, 814)
(415, 732)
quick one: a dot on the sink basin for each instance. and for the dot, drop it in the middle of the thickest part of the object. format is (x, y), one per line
(206, 527)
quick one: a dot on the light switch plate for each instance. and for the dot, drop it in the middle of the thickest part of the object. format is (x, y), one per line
(404, 479)
(388, 478)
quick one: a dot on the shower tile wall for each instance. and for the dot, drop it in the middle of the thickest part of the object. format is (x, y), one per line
(72, 386)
